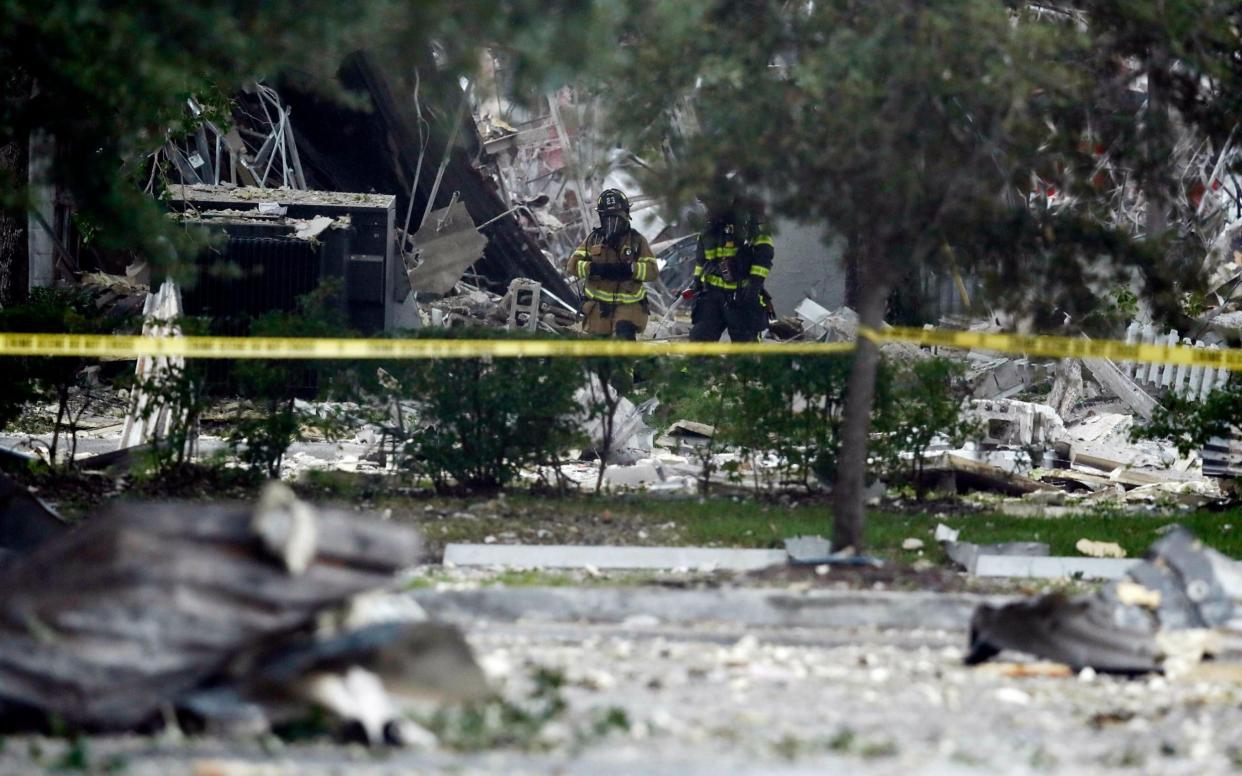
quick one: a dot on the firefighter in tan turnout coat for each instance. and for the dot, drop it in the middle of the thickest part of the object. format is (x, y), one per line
(616, 262)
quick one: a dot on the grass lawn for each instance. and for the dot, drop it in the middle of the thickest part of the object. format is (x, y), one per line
(745, 523)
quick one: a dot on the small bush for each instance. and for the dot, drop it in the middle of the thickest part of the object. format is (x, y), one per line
(1190, 424)
(790, 406)
(924, 401)
(69, 381)
(473, 424)
(269, 418)
(177, 390)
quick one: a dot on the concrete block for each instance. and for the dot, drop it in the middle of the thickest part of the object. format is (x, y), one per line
(1012, 422)
(808, 549)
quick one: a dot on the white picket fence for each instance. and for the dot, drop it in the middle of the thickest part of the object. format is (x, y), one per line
(1192, 382)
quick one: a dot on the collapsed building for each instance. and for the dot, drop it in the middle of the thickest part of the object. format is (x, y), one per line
(443, 203)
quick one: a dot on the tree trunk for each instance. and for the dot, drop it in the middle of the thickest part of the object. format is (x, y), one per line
(847, 491)
(12, 227)
(13, 174)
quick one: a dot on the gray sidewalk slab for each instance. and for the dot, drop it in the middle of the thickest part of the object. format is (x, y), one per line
(740, 606)
(568, 556)
(1052, 567)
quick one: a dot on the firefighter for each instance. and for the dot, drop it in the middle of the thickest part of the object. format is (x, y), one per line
(734, 258)
(616, 262)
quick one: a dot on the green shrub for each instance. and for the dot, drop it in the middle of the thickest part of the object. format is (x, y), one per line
(179, 391)
(268, 418)
(68, 381)
(699, 390)
(1190, 424)
(923, 401)
(476, 422)
(789, 406)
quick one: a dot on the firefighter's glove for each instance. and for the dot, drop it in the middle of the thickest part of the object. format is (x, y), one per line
(615, 271)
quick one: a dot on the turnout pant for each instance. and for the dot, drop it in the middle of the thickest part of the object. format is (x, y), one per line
(716, 310)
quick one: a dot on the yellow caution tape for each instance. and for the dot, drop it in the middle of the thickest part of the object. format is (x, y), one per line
(117, 346)
(120, 346)
(1062, 347)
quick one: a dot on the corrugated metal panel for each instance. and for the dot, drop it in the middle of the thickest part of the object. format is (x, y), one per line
(252, 276)
(1222, 457)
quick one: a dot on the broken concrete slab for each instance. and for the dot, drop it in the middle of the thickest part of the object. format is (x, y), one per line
(1013, 422)
(554, 556)
(1172, 610)
(971, 474)
(448, 243)
(1054, 567)
(1028, 509)
(1112, 378)
(1067, 387)
(686, 434)
(1002, 378)
(966, 554)
(109, 624)
(1193, 493)
(637, 475)
(808, 549)
(820, 323)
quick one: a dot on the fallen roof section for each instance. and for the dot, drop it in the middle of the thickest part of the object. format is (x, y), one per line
(383, 150)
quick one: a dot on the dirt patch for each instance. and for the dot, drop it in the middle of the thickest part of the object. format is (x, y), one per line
(530, 521)
(890, 576)
(894, 575)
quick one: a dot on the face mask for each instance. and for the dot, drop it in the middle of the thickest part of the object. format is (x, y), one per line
(614, 224)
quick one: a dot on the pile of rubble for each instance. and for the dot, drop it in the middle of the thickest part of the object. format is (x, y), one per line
(217, 617)
(1071, 427)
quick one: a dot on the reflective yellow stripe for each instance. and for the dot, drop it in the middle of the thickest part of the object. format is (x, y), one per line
(584, 267)
(617, 298)
(640, 271)
(719, 253)
(719, 282)
(758, 270)
(580, 252)
(765, 239)
(698, 270)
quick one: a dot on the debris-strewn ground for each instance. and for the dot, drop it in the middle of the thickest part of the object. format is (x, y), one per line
(645, 520)
(647, 698)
